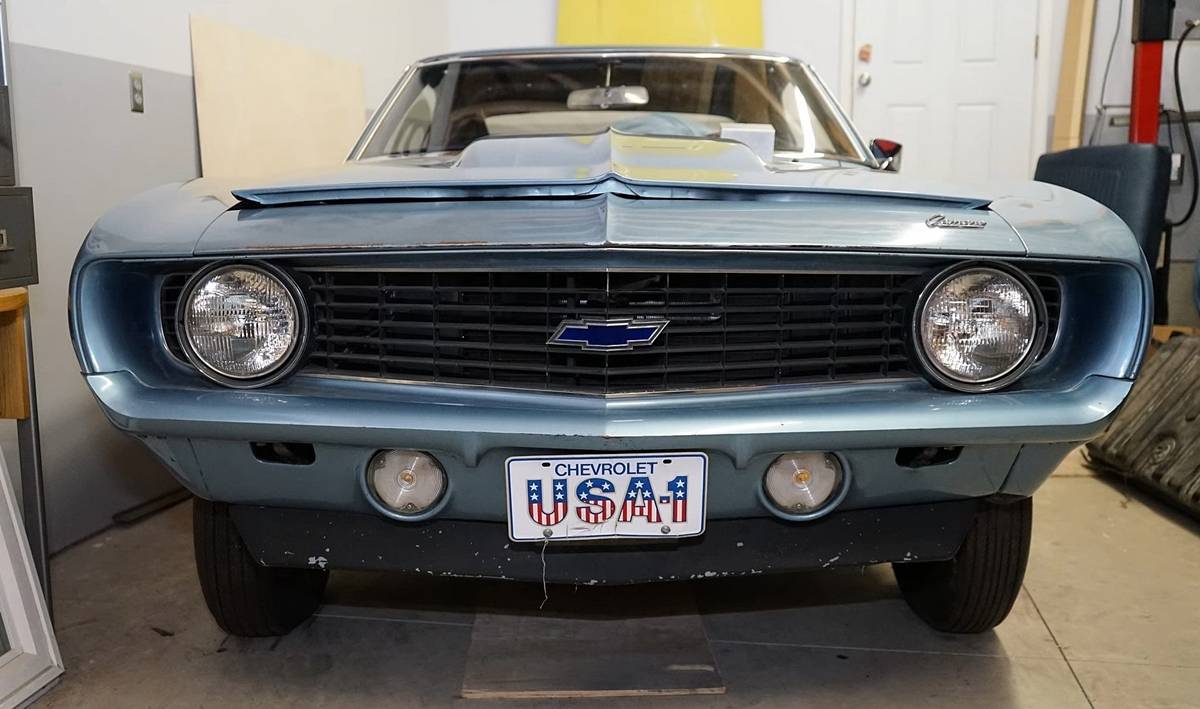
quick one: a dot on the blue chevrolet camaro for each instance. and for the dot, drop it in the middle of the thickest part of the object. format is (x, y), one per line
(609, 316)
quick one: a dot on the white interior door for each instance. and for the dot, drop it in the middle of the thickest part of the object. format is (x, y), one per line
(952, 80)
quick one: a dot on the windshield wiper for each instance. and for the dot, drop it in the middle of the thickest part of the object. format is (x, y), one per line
(433, 154)
(826, 157)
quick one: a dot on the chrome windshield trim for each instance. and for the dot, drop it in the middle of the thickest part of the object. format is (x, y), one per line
(384, 109)
(839, 115)
(600, 52)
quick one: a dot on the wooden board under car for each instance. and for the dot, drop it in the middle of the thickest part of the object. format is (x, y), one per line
(1155, 440)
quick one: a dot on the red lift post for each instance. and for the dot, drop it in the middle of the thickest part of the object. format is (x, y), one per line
(1151, 25)
(1146, 92)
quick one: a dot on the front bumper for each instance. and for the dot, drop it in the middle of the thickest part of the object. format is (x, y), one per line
(337, 540)
(1010, 440)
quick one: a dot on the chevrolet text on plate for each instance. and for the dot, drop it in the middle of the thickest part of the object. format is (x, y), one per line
(589, 497)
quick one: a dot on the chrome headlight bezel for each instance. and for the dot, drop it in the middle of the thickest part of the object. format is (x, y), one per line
(286, 365)
(948, 380)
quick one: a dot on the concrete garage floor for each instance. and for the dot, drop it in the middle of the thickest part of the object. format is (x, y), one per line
(1109, 618)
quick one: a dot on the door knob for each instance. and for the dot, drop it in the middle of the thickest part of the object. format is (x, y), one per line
(864, 79)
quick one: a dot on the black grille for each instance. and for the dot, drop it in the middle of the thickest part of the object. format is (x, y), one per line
(725, 329)
(491, 328)
(1052, 295)
(170, 292)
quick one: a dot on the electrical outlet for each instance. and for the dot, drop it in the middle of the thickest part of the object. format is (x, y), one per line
(137, 94)
(1177, 168)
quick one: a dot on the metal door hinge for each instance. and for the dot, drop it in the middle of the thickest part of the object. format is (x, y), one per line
(137, 92)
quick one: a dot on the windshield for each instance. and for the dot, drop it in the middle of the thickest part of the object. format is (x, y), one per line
(447, 106)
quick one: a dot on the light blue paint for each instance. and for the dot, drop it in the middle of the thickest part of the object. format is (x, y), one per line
(594, 203)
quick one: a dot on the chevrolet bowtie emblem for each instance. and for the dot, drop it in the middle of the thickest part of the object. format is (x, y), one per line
(608, 335)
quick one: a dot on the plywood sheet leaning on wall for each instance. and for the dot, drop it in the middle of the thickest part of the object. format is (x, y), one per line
(266, 106)
(1072, 77)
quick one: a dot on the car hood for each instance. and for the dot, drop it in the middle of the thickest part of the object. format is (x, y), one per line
(578, 166)
(601, 191)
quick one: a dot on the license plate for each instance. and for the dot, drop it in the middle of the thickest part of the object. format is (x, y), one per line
(640, 495)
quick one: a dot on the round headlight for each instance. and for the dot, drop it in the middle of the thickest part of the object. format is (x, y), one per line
(240, 324)
(977, 328)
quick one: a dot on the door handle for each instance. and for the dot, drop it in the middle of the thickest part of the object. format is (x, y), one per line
(864, 79)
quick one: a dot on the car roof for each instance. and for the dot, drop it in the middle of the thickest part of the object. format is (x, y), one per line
(600, 51)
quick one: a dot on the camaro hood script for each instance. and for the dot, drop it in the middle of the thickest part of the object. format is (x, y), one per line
(941, 221)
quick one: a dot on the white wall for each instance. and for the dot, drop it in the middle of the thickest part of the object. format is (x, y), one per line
(488, 24)
(381, 35)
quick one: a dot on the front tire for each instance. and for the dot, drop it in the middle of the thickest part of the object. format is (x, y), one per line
(244, 597)
(974, 591)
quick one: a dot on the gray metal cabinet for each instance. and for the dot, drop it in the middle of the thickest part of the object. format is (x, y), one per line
(18, 252)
